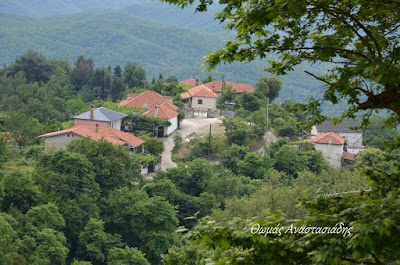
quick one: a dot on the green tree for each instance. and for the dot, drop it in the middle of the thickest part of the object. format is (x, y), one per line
(285, 128)
(378, 134)
(44, 216)
(153, 146)
(156, 231)
(289, 160)
(94, 242)
(112, 165)
(82, 73)
(236, 130)
(51, 244)
(172, 79)
(118, 71)
(67, 175)
(209, 78)
(76, 106)
(253, 166)
(250, 102)
(126, 256)
(268, 87)
(134, 75)
(8, 237)
(36, 67)
(20, 191)
(3, 150)
(23, 129)
(233, 155)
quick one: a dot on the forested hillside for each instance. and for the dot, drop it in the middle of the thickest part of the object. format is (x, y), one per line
(37, 8)
(154, 35)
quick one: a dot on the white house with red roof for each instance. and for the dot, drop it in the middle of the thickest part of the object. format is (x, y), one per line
(156, 106)
(220, 86)
(55, 141)
(332, 147)
(200, 98)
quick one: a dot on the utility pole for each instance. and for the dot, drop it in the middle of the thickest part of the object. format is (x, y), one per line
(223, 83)
(209, 142)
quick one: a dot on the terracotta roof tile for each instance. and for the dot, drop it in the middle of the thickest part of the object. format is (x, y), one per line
(200, 91)
(148, 100)
(328, 138)
(112, 135)
(165, 111)
(239, 88)
(348, 156)
(190, 82)
(185, 95)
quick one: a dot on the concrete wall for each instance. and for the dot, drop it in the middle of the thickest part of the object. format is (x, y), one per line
(173, 126)
(207, 103)
(332, 153)
(55, 143)
(354, 140)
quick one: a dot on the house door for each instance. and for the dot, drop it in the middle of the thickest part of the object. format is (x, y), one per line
(150, 168)
(160, 131)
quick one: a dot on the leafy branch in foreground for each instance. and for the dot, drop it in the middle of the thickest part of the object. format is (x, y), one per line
(358, 38)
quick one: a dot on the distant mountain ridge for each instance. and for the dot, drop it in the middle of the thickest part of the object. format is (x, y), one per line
(39, 8)
(162, 38)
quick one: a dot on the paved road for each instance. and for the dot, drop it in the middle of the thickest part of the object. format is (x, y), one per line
(188, 126)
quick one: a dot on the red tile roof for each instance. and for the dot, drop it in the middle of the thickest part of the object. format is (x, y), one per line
(185, 95)
(349, 156)
(149, 100)
(189, 82)
(109, 134)
(328, 138)
(239, 88)
(165, 111)
(199, 91)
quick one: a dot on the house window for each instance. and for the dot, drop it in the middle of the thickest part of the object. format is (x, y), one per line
(200, 101)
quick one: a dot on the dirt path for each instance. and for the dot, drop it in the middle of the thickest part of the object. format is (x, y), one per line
(188, 126)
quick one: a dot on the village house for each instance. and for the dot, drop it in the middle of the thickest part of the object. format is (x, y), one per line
(354, 137)
(156, 106)
(200, 98)
(332, 147)
(220, 86)
(190, 82)
(101, 116)
(55, 141)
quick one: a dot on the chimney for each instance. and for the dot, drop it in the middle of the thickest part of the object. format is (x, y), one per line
(155, 111)
(92, 112)
(97, 128)
(197, 81)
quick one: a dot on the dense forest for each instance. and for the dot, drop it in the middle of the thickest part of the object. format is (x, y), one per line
(90, 205)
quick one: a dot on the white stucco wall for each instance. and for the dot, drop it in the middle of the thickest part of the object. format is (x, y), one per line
(354, 140)
(332, 153)
(207, 103)
(55, 143)
(173, 126)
